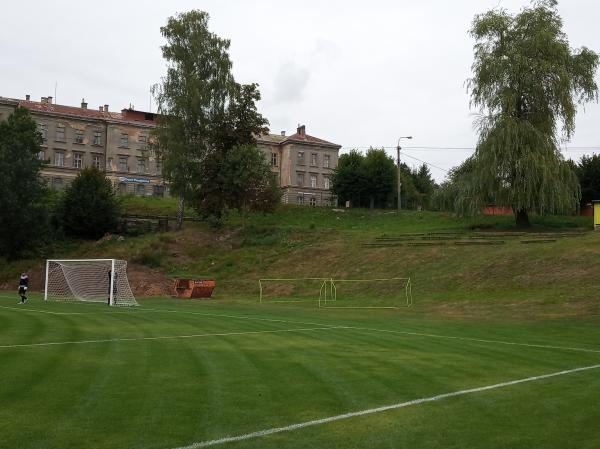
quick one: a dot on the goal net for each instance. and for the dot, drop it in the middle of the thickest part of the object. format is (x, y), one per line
(389, 293)
(294, 290)
(95, 280)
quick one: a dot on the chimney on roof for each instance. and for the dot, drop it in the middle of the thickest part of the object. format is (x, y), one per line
(27, 97)
(49, 100)
(101, 108)
(83, 104)
(44, 100)
(105, 108)
(302, 130)
(283, 133)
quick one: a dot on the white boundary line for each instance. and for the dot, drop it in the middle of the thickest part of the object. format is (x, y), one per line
(331, 326)
(477, 340)
(167, 337)
(316, 422)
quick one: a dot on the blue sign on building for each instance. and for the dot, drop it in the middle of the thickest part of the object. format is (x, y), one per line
(137, 180)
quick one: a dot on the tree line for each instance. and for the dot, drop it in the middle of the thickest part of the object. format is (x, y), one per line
(370, 180)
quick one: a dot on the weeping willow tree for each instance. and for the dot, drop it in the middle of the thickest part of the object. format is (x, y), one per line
(527, 83)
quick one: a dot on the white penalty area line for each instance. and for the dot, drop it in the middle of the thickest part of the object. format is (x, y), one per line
(166, 337)
(371, 411)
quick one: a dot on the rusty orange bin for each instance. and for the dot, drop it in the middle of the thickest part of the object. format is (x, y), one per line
(194, 288)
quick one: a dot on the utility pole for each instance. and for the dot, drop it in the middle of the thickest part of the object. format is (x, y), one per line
(398, 148)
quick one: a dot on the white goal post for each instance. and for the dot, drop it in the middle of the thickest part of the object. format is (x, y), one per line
(94, 280)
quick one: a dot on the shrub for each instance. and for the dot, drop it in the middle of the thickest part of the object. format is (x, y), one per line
(90, 208)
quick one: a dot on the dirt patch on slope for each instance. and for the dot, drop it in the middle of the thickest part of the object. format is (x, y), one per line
(146, 281)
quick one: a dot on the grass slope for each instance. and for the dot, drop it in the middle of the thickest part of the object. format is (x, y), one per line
(170, 373)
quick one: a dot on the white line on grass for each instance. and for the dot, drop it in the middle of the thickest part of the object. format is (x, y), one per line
(478, 340)
(166, 337)
(316, 422)
(240, 317)
(142, 309)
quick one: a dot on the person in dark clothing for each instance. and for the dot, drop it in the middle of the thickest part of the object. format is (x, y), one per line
(23, 284)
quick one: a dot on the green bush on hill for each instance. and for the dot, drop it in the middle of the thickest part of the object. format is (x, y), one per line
(90, 207)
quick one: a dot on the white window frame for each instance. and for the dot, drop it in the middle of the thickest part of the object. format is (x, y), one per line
(60, 159)
(97, 161)
(141, 165)
(77, 159)
(126, 159)
(79, 136)
(313, 181)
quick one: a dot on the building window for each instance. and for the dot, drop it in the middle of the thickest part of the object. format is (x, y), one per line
(77, 160)
(59, 159)
(300, 199)
(124, 141)
(326, 183)
(314, 159)
(158, 167)
(60, 133)
(123, 163)
(326, 161)
(300, 179)
(78, 136)
(313, 181)
(300, 158)
(274, 159)
(141, 165)
(159, 190)
(57, 183)
(122, 188)
(43, 129)
(313, 201)
(143, 141)
(97, 161)
(140, 189)
(41, 155)
(97, 140)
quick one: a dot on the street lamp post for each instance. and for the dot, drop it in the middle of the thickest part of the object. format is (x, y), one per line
(398, 148)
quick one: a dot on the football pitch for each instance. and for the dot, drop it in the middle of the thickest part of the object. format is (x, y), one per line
(236, 374)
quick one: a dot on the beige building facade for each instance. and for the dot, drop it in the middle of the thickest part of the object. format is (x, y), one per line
(303, 165)
(118, 143)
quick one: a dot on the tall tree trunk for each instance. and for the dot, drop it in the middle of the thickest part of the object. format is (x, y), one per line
(180, 210)
(243, 213)
(522, 219)
(372, 203)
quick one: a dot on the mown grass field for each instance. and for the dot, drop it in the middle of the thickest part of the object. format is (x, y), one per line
(172, 373)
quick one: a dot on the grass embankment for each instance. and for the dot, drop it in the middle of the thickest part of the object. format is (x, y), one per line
(555, 278)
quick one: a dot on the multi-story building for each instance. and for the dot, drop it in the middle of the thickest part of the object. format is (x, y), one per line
(303, 165)
(119, 143)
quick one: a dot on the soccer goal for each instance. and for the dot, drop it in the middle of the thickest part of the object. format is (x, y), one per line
(388, 293)
(294, 290)
(95, 280)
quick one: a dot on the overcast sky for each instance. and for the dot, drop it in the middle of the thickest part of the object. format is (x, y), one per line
(357, 73)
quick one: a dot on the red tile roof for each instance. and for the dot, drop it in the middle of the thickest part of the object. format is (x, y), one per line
(79, 112)
(305, 138)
